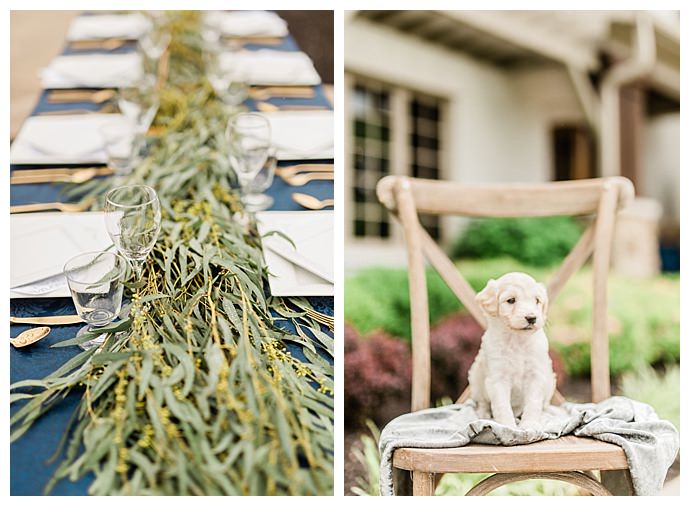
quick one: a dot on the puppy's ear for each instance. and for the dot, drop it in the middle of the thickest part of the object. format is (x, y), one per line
(545, 300)
(488, 298)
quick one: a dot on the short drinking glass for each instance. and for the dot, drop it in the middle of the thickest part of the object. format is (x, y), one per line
(96, 283)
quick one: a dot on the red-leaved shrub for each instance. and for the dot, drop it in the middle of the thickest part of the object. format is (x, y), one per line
(454, 344)
(378, 368)
(377, 374)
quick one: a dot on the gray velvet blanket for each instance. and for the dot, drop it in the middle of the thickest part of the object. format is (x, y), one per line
(650, 444)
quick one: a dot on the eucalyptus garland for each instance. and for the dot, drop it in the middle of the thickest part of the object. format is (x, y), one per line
(195, 392)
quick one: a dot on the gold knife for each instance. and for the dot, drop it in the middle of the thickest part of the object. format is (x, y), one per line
(48, 320)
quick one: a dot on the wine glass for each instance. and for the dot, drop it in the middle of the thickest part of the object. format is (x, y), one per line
(139, 102)
(226, 74)
(120, 145)
(256, 199)
(96, 282)
(133, 220)
(151, 46)
(249, 138)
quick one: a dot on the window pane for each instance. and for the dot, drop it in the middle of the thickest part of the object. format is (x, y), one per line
(425, 147)
(371, 131)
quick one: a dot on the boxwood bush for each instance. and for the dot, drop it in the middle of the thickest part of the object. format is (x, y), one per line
(532, 241)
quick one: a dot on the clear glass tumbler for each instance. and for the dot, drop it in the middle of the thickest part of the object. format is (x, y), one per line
(96, 281)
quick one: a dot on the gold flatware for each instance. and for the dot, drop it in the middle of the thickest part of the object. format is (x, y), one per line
(263, 41)
(69, 112)
(52, 206)
(268, 107)
(311, 202)
(95, 97)
(303, 167)
(77, 177)
(107, 44)
(30, 337)
(47, 320)
(60, 171)
(324, 319)
(267, 92)
(302, 179)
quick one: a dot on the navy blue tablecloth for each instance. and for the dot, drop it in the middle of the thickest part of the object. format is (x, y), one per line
(29, 467)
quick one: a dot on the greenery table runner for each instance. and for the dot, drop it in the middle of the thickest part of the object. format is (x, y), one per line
(195, 392)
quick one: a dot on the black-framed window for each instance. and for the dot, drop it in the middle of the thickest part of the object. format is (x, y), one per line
(371, 133)
(425, 148)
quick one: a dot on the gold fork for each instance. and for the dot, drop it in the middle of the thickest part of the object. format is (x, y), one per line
(107, 44)
(95, 97)
(76, 207)
(268, 107)
(324, 319)
(80, 176)
(282, 91)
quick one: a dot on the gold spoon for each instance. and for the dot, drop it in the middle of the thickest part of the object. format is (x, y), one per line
(302, 179)
(311, 202)
(30, 336)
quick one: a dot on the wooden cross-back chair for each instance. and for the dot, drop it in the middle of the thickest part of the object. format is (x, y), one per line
(571, 459)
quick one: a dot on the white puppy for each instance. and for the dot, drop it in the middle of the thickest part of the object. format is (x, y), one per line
(512, 374)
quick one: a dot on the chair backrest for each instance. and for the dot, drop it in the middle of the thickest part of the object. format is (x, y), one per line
(601, 198)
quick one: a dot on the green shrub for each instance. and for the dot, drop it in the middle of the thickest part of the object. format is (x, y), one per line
(661, 390)
(377, 298)
(644, 315)
(532, 241)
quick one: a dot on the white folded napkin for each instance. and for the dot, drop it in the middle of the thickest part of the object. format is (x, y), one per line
(302, 135)
(92, 71)
(269, 67)
(307, 269)
(41, 244)
(61, 139)
(106, 26)
(250, 24)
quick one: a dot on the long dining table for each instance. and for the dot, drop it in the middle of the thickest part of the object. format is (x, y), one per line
(31, 466)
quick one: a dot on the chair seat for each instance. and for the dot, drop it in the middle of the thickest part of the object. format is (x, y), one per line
(568, 453)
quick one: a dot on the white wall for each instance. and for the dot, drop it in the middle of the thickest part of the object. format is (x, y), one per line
(661, 163)
(498, 122)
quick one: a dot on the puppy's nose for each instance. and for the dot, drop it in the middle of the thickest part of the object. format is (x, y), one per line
(531, 319)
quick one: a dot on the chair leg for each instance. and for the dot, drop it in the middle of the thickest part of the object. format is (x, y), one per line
(423, 483)
(402, 481)
(617, 482)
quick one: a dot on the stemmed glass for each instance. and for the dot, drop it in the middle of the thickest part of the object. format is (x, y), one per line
(256, 199)
(249, 140)
(153, 43)
(227, 77)
(139, 104)
(96, 283)
(121, 146)
(133, 220)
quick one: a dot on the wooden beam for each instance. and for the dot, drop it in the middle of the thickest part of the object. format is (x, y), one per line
(500, 25)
